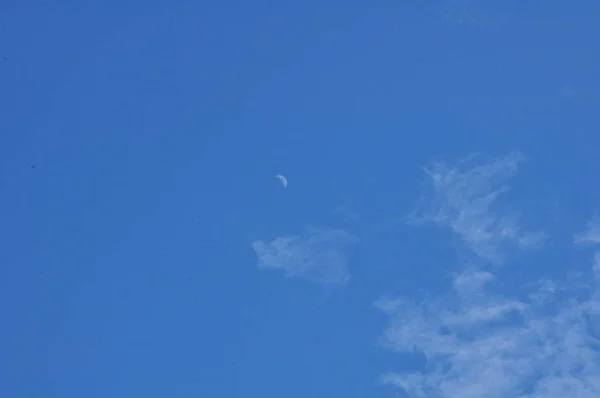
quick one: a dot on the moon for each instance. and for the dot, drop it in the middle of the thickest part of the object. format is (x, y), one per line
(282, 179)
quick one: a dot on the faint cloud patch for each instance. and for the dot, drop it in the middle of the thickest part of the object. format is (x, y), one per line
(319, 255)
(472, 13)
(480, 344)
(465, 199)
(591, 235)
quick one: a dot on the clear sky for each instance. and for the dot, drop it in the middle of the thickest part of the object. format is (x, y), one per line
(436, 237)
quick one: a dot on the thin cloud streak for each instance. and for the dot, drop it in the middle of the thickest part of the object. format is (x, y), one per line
(319, 255)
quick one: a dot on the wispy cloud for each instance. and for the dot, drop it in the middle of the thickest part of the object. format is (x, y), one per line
(318, 255)
(464, 198)
(591, 235)
(484, 345)
(471, 13)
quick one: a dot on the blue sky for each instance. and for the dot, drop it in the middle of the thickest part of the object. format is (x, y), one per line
(438, 236)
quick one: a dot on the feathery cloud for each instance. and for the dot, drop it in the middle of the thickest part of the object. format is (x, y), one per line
(319, 255)
(465, 200)
(484, 345)
(591, 235)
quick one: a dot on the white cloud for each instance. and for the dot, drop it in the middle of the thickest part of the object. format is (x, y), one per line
(318, 255)
(592, 234)
(465, 200)
(483, 345)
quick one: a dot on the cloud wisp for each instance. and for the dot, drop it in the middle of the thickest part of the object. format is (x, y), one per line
(465, 200)
(484, 345)
(319, 255)
(479, 342)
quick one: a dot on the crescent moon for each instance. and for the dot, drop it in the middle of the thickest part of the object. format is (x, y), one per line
(282, 179)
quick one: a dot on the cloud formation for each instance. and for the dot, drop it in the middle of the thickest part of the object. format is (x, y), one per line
(318, 255)
(482, 345)
(478, 342)
(465, 200)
